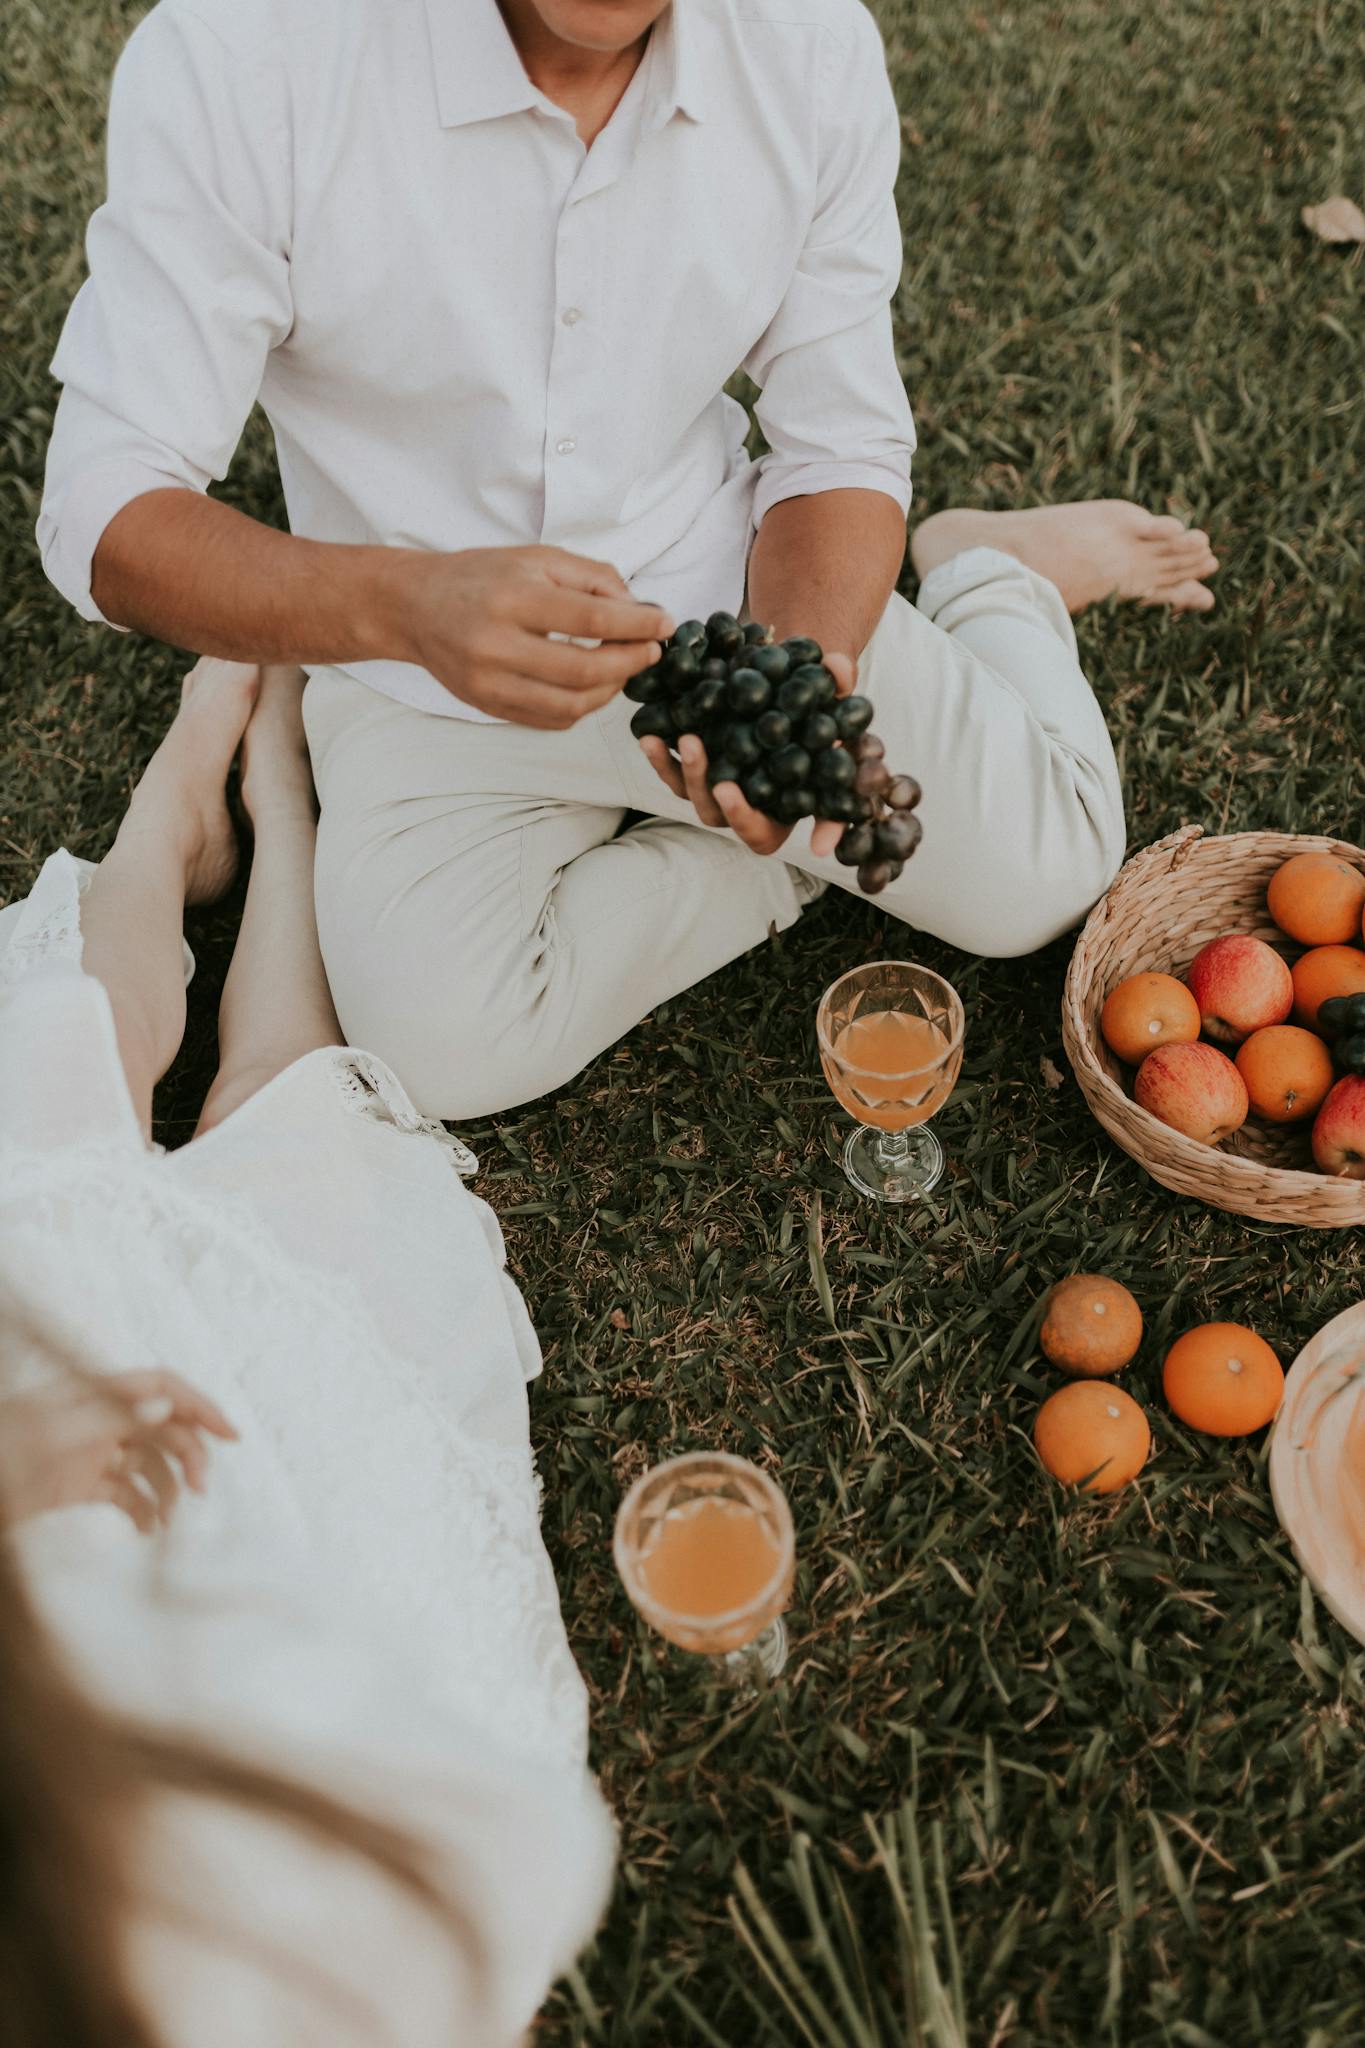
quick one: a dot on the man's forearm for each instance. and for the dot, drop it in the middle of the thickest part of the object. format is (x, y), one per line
(825, 565)
(196, 573)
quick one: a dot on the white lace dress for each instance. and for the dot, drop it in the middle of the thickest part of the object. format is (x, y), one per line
(362, 1594)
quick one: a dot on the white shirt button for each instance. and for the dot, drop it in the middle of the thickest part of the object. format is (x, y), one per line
(571, 316)
(565, 445)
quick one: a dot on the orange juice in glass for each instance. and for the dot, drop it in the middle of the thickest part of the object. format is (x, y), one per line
(890, 1038)
(705, 1548)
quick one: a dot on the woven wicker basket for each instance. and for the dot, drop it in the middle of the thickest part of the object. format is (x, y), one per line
(1165, 904)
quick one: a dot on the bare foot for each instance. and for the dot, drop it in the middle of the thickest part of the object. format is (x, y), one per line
(276, 772)
(1104, 547)
(183, 791)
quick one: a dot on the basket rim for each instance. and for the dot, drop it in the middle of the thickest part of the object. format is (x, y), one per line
(1176, 848)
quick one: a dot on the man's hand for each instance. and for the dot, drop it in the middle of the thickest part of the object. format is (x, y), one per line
(127, 1439)
(482, 623)
(726, 803)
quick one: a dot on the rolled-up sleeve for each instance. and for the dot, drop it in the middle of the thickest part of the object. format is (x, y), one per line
(832, 405)
(188, 290)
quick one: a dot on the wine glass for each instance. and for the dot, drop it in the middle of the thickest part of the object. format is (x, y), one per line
(891, 1046)
(705, 1548)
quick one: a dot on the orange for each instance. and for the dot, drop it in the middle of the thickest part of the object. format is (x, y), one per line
(1287, 1072)
(1145, 1011)
(1223, 1379)
(1317, 898)
(1092, 1326)
(1326, 971)
(1092, 1433)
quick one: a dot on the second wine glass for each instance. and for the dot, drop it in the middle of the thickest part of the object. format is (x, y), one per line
(890, 1039)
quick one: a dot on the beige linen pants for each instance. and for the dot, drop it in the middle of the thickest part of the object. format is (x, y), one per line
(487, 932)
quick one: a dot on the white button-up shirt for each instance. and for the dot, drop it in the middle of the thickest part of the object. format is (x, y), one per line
(466, 329)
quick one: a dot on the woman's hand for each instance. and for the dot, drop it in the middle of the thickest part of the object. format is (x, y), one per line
(128, 1439)
(726, 803)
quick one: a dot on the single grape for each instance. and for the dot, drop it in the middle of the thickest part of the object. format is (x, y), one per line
(645, 687)
(837, 804)
(760, 789)
(724, 633)
(862, 807)
(797, 695)
(852, 715)
(897, 836)
(756, 635)
(771, 662)
(867, 747)
(721, 770)
(903, 792)
(874, 875)
(740, 745)
(708, 694)
(802, 649)
(679, 667)
(773, 729)
(1349, 1052)
(654, 721)
(836, 768)
(871, 778)
(818, 732)
(714, 665)
(691, 633)
(826, 690)
(747, 692)
(790, 766)
(791, 806)
(855, 846)
(1335, 1016)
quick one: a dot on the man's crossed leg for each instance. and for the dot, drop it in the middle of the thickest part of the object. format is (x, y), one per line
(488, 928)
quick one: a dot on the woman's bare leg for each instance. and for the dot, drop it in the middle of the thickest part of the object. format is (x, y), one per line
(276, 1004)
(175, 846)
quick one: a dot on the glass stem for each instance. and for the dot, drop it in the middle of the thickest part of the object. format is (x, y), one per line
(892, 1148)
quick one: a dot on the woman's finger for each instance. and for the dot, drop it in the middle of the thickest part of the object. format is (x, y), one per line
(148, 1468)
(176, 1440)
(121, 1493)
(155, 1387)
(692, 754)
(825, 836)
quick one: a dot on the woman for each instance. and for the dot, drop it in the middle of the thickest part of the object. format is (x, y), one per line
(333, 1730)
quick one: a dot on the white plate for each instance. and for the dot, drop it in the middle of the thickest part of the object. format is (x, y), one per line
(1317, 1465)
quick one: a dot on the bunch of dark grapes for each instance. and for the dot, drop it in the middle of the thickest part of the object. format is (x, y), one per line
(771, 719)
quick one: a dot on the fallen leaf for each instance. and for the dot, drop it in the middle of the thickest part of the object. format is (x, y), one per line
(1336, 220)
(1052, 1075)
(618, 1319)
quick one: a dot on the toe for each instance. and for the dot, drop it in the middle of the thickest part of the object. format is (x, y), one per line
(1190, 597)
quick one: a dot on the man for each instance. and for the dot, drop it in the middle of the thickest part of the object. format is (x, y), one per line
(488, 267)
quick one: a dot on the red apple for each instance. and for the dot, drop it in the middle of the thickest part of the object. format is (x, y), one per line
(1195, 1089)
(1241, 985)
(1339, 1130)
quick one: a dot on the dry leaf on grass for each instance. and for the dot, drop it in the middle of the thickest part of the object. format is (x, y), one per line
(1336, 220)
(1051, 1073)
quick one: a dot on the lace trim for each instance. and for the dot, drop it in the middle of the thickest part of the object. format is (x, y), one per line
(48, 926)
(367, 1081)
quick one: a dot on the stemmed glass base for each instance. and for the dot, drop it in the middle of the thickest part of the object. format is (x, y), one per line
(759, 1662)
(893, 1166)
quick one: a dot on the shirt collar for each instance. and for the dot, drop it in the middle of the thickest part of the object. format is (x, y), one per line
(480, 77)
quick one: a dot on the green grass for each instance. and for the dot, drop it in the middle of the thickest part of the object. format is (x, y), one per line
(1041, 1773)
